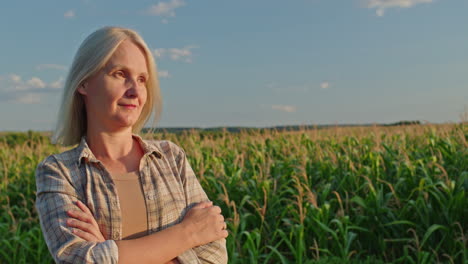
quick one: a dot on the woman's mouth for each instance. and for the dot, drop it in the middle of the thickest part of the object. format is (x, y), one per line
(128, 106)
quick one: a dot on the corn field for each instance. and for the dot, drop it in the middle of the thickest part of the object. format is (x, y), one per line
(336, 195)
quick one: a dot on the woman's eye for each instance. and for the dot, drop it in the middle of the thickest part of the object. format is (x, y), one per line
(119, 74)
(142, 80)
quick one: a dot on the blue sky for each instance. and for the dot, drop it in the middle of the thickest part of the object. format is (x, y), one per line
(252, 63)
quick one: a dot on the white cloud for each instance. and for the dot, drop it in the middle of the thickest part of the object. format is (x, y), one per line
(175, 54)
(179, 54)
(15, 82)
(158, 53)
(166, 9)
(59, 67)
(298, 88)
(29, 98)
(69, 14)
(35, 82)
(14, 88)
(163, 74)
(15, 78)
(165, 21)
(324, 85)
(284, 108)
(58, 84)
(381, 5)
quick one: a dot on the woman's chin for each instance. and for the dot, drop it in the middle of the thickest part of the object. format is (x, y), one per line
(123, 122)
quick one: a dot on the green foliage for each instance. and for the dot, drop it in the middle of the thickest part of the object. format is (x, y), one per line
(355, 195)
(14, 139)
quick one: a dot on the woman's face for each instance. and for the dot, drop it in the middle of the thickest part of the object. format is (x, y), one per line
(115, 96)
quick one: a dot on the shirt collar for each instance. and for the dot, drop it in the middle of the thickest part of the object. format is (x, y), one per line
(148, 148)
(86, 153)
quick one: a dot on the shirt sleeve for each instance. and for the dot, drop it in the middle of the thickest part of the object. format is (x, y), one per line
(55, 195)
(214, 252)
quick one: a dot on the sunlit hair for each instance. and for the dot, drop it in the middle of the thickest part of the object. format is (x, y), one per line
(91, 57)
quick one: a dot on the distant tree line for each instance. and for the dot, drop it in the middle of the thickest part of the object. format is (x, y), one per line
(19, 138)
(177, 130)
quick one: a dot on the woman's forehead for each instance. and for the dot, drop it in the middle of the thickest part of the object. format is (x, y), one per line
(128, 54)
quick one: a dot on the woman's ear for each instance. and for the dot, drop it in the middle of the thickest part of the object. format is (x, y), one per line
(82, 88)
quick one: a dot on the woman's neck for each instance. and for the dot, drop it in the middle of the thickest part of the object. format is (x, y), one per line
(110, 145)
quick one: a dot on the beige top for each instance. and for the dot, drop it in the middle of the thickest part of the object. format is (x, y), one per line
(132, 205)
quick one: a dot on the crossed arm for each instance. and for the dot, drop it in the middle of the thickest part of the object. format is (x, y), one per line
(176, 239)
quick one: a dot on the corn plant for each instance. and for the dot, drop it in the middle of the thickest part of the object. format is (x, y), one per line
(335, 195)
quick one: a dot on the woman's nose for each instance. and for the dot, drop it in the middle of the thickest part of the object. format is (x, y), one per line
(132, 88)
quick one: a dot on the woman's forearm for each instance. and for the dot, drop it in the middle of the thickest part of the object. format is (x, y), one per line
(159, 247)
(202, 224)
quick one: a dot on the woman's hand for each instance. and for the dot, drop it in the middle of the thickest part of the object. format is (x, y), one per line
(84, 225)
(205, 223)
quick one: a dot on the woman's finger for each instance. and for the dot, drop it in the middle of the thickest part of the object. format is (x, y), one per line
(84, 220)
(220, 218)
(85, 235)
(201, 205)
(81, 225)
(217, 209)
(86, 210)
(80, 216)
(83, 207)
(85, 230)
(224, 233)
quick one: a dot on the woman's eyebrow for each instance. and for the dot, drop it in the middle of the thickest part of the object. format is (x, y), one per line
(117, 66)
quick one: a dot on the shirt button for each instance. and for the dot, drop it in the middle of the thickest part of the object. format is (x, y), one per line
(150, 195)
(117, 234)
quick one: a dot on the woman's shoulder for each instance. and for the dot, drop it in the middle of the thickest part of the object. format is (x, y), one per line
(66, 158)
(164, 147)
(58, 172)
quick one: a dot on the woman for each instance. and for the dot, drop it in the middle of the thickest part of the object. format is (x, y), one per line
(116, 197)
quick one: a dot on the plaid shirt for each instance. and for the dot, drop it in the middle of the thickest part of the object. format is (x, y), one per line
(169, 186)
